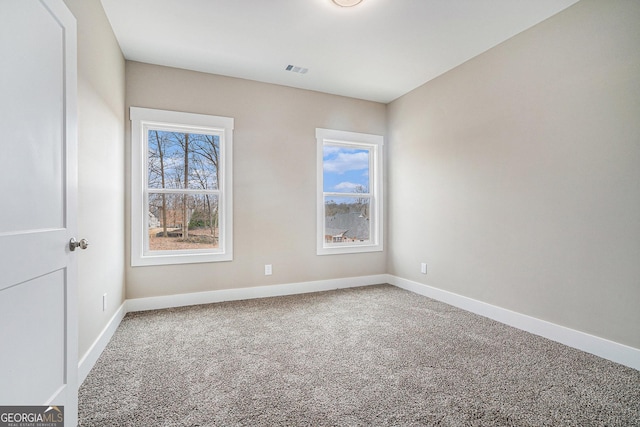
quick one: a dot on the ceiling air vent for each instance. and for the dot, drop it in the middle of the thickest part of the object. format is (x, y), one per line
(296, 69)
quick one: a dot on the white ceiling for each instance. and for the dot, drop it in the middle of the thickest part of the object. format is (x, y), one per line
(378, 50)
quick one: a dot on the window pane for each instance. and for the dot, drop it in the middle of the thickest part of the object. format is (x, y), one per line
(183, 160)
(204, 155)
(345, 170)
(346, 219)
(180, 221)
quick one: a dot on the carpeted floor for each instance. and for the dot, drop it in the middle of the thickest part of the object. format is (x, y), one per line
(371, 356)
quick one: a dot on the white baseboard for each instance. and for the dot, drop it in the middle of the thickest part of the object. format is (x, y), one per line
(91, 356)
(601, 347)
(154, 303)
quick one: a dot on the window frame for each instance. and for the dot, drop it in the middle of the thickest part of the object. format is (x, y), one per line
(375, 144)
(145, 119)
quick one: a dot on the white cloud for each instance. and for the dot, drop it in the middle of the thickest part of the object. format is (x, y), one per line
(345, 162)
(328, 150)
(349, 186)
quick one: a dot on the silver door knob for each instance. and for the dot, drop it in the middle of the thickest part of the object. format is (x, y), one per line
(82, 244)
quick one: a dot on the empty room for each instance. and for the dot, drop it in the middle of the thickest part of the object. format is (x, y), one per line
(320, 212)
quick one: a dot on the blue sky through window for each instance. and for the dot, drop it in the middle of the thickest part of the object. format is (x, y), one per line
(344, 169)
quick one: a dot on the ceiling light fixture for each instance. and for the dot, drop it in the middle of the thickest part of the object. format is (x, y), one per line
(346, 3)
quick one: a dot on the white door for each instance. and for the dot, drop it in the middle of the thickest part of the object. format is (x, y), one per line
(38, 186)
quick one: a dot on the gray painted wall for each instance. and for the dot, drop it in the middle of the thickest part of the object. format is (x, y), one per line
(516, 176)
(274, 180)
(100, 170)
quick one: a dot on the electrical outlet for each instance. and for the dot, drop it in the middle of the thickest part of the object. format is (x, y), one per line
(423, 267)
(104, 302)
(268, 271)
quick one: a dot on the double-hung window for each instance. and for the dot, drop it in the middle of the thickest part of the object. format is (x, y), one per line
(350, 204)
(181, 204)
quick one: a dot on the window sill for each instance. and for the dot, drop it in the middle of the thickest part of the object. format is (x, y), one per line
(177, 258)
(348, 249)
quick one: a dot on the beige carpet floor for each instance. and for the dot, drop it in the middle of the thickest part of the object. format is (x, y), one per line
(371, 356)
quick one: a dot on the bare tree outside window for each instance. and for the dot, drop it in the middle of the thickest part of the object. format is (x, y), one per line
(181, 187)
(183, 177)
(156, 170)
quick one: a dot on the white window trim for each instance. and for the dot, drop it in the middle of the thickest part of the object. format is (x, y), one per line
(141, 118)
(354, 139)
